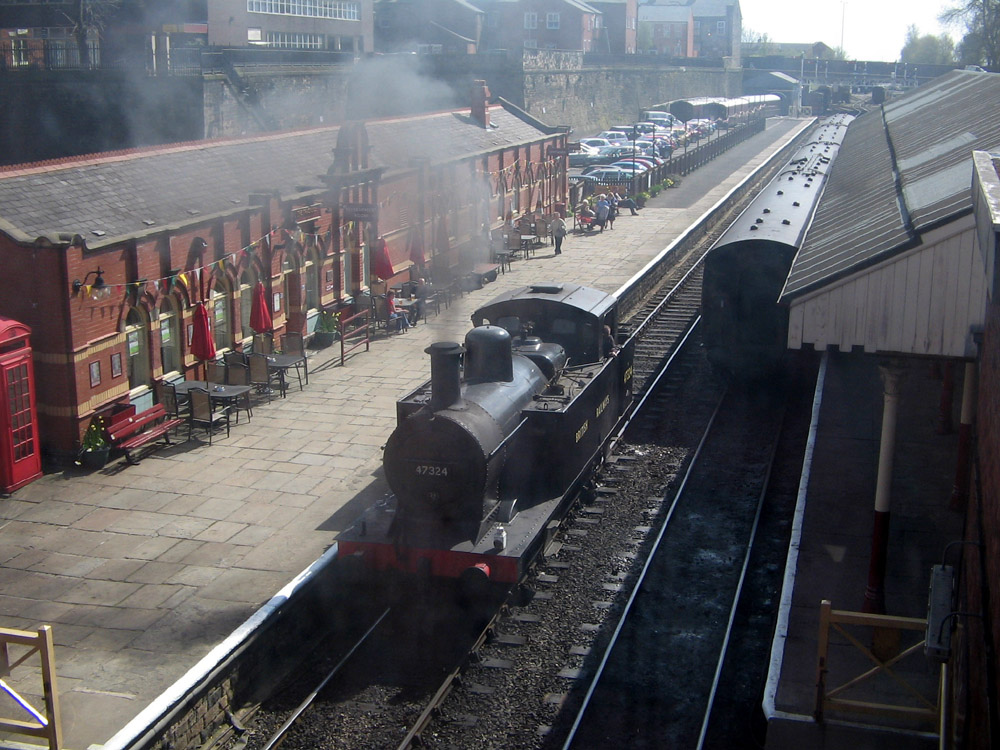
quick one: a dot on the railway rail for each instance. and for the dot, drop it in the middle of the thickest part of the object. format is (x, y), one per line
(672, 638)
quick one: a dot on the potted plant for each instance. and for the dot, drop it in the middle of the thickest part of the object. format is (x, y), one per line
(94, 447)
(641, 198)
(327, 328)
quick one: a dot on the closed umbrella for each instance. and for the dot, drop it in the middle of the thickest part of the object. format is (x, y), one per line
(260, 314)
(417, 247)
(202, 344)
(381, 265)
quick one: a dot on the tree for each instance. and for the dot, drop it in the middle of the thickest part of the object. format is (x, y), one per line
(88, 18)
(644, 36)
(755, 44)
(981, 19)
(927, 49)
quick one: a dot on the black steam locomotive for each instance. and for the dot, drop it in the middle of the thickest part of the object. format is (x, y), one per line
(744, 329)
(486, 453)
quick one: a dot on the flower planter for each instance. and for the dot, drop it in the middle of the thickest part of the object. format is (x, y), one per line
(323, 339)
(95, 459)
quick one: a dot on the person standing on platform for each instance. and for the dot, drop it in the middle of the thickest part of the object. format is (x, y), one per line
(558, 227)
(602, 210)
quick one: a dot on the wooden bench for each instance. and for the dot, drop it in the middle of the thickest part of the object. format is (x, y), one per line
(128, 430)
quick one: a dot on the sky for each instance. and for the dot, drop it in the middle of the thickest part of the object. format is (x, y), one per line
(872, 30)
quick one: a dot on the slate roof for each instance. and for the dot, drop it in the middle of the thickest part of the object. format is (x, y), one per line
(903, 169)
(107, 197)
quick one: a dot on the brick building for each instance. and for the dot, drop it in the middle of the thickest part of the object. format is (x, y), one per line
(540, 24)
(107, 255)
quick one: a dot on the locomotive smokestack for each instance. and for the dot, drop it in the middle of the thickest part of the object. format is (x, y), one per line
(446, 378)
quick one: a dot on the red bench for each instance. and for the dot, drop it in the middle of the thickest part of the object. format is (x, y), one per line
(128, 430)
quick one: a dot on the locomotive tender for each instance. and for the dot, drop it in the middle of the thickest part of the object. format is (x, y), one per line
(486, 454)
(744, 329)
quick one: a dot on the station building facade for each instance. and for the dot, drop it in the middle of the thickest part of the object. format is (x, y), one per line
(107, 255)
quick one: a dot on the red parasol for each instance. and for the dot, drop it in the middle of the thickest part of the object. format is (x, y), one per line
(441, 240)
(202, 345)
(260, 314)
(417, 247)
(381, 265)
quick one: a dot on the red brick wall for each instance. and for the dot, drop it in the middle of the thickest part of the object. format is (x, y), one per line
(983, 525)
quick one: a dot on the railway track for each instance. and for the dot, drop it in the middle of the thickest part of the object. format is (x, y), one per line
(671, 642)
(381, 692)
(518, 683)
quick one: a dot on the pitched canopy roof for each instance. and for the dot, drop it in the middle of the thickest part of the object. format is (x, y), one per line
(903, 169)
(107, 197)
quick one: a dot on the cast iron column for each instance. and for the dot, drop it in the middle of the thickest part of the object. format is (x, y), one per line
(960, 492)
(892, 378)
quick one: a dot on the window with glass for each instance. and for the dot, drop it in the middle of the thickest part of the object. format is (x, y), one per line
(137, 347)
(531, 20)
(492, 19)
(221, 323)
(170, 338)
(721, 27)
(248, 280)
(552, 20)
(313, 290)
(295, 40)
(335, 9)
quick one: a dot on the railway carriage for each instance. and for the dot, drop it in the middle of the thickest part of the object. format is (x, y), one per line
(491, 449)
(744, 329)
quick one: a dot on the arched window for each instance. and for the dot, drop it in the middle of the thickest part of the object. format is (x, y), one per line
(170, 335)
(137, 347)
(220, 306)
(248, 280)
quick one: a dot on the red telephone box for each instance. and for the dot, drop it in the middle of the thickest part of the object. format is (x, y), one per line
(20, 459)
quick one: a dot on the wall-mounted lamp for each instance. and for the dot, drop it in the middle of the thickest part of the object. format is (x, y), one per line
(98, 290)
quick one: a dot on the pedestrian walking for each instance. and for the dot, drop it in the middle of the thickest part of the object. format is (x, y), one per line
(558, 227)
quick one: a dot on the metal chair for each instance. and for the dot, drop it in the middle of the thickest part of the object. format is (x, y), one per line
(167, 395)
(263, 343)
(204, 414)
(215, 372)
(295, 345)
(239, 374)
(234, 358)
(261, 377)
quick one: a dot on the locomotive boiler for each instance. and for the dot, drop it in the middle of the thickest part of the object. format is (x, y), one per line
(488, 451)
(744, 329)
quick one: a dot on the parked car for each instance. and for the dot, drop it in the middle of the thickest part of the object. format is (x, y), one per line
(609, 154)
(615, 136)
(596, 167)
(584, 157)
(630, 167)
(595, 142)
(607, 176)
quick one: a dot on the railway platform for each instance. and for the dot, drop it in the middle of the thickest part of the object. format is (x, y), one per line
(142, 571)
(830, 560)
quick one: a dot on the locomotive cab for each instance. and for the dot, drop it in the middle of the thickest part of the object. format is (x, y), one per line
(569, 315)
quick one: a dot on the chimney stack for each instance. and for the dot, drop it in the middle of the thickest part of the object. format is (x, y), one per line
(480, 103)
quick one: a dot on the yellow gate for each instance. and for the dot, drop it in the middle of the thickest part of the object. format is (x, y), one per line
(42, 724)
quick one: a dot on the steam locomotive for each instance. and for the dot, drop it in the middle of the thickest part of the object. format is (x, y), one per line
(490, 450)
(744, 329)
